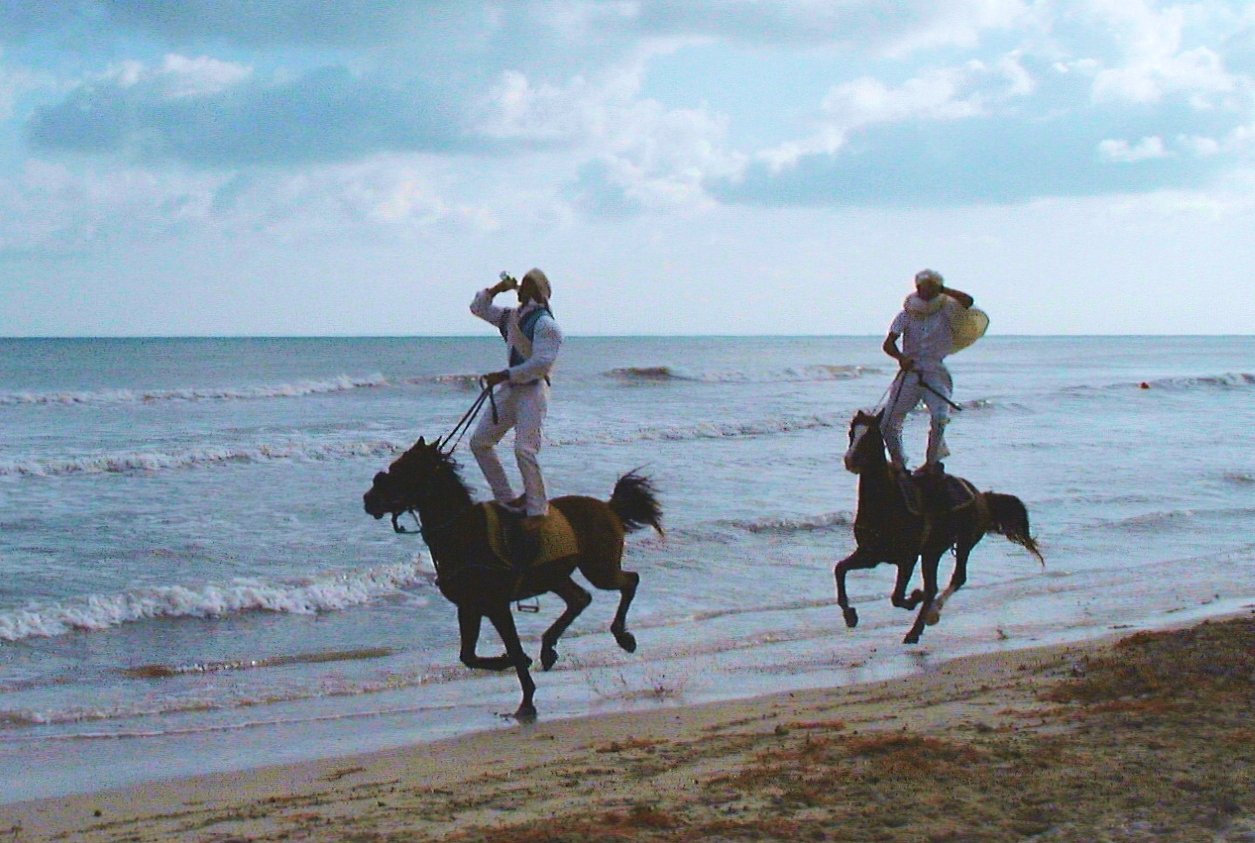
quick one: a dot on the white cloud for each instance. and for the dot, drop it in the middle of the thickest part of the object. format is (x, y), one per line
(14, 81)
(48, 207)
(54, 209)
(177, 76)
(1155, 62)
(658, 157)
(937, 94)
(1121, 151)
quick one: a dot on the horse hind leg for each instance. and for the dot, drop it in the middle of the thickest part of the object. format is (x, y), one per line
(957, 579)
(577, 600)
(611, 577)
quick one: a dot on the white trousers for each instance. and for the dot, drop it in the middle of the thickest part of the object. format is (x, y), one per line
(906, 394)
(522, 407)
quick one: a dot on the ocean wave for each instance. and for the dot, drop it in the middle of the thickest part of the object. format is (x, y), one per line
(1228, 380)
(339, 383)
(706, 430)
(136, 461)
(331, 592)
(785, 526)
(792, 374)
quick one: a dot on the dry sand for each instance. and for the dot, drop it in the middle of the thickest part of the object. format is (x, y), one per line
(1150, 737)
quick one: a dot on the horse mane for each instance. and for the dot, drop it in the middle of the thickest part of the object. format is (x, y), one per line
(446, 479)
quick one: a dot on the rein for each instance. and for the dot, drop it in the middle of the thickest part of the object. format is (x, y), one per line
(896, 392)
(464, 424)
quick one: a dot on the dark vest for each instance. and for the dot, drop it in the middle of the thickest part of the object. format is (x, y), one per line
(528, 326)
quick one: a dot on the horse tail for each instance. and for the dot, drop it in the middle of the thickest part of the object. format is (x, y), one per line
(636, 503)
(1009, 517)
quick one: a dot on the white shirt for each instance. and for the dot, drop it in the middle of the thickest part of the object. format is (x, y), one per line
(926, 339)
(539, 353)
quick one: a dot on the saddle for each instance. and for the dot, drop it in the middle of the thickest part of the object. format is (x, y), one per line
(518, 548)
(924, 495)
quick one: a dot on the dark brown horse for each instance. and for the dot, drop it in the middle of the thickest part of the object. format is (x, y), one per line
(470, 575)
(891, 527)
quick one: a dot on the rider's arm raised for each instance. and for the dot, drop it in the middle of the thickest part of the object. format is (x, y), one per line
(959, 296)
(482, 305)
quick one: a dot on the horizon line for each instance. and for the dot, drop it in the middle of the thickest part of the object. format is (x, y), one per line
(1077, 335)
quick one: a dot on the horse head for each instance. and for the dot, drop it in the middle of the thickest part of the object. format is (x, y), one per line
(407, 481)
(867, 444)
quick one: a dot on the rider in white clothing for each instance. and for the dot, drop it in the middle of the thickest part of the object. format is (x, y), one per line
(534, 339)
(924, 324)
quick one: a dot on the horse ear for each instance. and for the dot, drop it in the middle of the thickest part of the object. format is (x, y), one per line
(420, 441)
(435, 443)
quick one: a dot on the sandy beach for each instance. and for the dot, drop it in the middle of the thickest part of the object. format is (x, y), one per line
(1150, 736)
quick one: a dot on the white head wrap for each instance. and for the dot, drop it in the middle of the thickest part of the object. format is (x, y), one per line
(542, 284)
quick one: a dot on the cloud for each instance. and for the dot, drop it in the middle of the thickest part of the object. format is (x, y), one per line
(1122, 151)
(976, 161)
(938, 94)
(239, 22)
(50, 208)
(638, 154)
(891, 28)
(1153, 61)
(209, 113)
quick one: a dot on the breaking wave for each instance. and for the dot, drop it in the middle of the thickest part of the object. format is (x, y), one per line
(793, 374)
(135, 461)
(787, 526)
(340, 383)
(326, 593)
(706, 430)
(1230, 380)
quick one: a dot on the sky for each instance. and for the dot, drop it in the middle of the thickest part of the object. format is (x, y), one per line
(350, 167)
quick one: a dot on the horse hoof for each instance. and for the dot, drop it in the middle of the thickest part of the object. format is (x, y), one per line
(851, 616)
(932, 617)
(526, 713)
(626, 640)
(547, 658)
(911, 639)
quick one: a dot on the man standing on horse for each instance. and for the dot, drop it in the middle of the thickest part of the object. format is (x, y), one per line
(926, 328)
(534, 338)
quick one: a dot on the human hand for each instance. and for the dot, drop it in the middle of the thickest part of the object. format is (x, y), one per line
(506, 283)
(906, 363)
(494, 378)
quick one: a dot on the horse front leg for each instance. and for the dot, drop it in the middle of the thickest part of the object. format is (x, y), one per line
(906, 567)
(468, 625)
(929, 570)
(858, 560)
(504, 622)
(577, 600)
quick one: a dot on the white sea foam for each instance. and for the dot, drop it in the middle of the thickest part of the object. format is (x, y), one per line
(192, 458)
(792, 374)
(339, 383)
(96, 612)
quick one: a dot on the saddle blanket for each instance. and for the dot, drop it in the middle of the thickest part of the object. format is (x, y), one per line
(556, 536)
(959, 493)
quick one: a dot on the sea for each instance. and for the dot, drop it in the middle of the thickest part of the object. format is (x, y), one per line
(189, 582)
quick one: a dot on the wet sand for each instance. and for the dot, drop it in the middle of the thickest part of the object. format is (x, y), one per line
(1146, 737)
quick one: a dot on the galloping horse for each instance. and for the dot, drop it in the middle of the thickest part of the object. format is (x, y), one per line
(887, 528)
(472, 576)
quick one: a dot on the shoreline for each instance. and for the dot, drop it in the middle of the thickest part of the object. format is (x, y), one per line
(658, 770)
